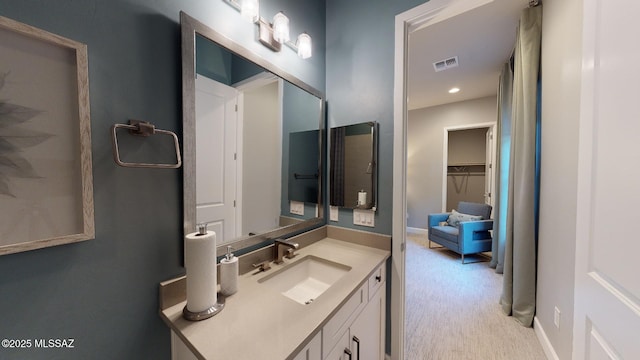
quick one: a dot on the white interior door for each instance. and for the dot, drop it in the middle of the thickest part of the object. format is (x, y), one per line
(607, 293)
(216, 168)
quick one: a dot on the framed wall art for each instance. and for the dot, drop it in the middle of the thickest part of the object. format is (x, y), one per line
(46, 185)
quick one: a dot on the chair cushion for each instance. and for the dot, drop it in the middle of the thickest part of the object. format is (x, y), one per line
(449, 233)
(470, 208)
(455, 218)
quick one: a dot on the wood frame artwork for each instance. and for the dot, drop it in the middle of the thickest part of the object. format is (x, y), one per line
(46, 183)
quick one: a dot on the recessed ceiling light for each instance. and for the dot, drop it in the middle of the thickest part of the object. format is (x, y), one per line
(453, 90)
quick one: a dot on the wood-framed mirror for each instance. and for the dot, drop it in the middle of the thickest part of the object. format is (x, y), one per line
(240, 116)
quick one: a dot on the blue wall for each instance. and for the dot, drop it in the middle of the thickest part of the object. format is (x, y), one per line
(360, 66)
(103, 292)
(220, 64)
(360, 55)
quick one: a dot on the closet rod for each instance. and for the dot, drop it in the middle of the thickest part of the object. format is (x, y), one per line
(467, 174)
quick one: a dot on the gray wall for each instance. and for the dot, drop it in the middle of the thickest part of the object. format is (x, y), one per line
(103, 292)
(561, 66)
(467, 146)
(425, 144)
(360, 50)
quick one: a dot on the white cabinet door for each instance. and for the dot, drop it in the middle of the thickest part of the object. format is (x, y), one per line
(607, 294)
(180, 351)
(313, 350)
(333, 331)
(341, 351)
(367, 331)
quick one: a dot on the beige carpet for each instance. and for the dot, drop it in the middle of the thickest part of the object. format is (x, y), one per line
(452, 310)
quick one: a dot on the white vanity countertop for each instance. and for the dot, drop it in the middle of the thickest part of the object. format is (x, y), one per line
(258, 322)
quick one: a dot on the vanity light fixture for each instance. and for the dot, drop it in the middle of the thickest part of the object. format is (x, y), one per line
(453, 90)
(272, 35)
(281, 27)
(265, 35)
(250, 10)
(304, 46)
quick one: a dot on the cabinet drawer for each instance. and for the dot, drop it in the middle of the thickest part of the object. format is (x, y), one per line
(340, 322)
(376, 279)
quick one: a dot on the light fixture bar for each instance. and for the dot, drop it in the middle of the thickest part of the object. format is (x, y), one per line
(266, 36)
(234, 4)
(272, 35)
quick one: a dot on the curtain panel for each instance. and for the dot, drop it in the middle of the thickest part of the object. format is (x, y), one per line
(520, 242)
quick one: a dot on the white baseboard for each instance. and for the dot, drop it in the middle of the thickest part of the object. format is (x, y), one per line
(544, 340)
(419, 231)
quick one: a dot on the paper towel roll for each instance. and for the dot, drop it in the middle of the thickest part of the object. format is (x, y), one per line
(362, 197)
(200, 261)
(229, 276)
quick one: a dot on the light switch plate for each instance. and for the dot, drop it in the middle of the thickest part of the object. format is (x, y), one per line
(296, 207)
(333, 213)
(364, 217)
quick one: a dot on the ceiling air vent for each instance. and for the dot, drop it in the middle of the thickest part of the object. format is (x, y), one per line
(446, 64)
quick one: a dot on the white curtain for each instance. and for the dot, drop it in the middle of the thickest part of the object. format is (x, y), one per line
(520, 238)
(503, 148)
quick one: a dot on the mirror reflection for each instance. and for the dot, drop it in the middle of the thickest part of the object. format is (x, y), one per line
(303, 171)
(301, 149)
(353, 171)
(251, 130)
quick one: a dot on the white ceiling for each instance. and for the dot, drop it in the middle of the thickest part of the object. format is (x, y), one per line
(482, 38)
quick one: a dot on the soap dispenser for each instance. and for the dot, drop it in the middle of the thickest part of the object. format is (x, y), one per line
(229, 274)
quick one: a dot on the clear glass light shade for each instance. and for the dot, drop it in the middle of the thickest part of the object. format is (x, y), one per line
(281, 28)
(250, 10)
(304, 45)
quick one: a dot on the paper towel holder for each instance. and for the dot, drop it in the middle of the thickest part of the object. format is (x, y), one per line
(215, 308)
(205, 314)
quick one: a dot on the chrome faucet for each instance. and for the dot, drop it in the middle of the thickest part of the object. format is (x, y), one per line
(278, 250)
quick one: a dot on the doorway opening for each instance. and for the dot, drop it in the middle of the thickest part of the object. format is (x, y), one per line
(410, 215)
(469, 158)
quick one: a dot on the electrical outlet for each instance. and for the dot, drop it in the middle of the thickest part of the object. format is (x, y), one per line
(296, 207)
(333, 213)
(364, 217)
(556, 317)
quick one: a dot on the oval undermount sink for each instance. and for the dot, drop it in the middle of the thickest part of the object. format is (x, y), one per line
(304, 280)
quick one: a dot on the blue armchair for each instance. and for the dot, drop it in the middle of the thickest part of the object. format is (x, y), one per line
(469, 237)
